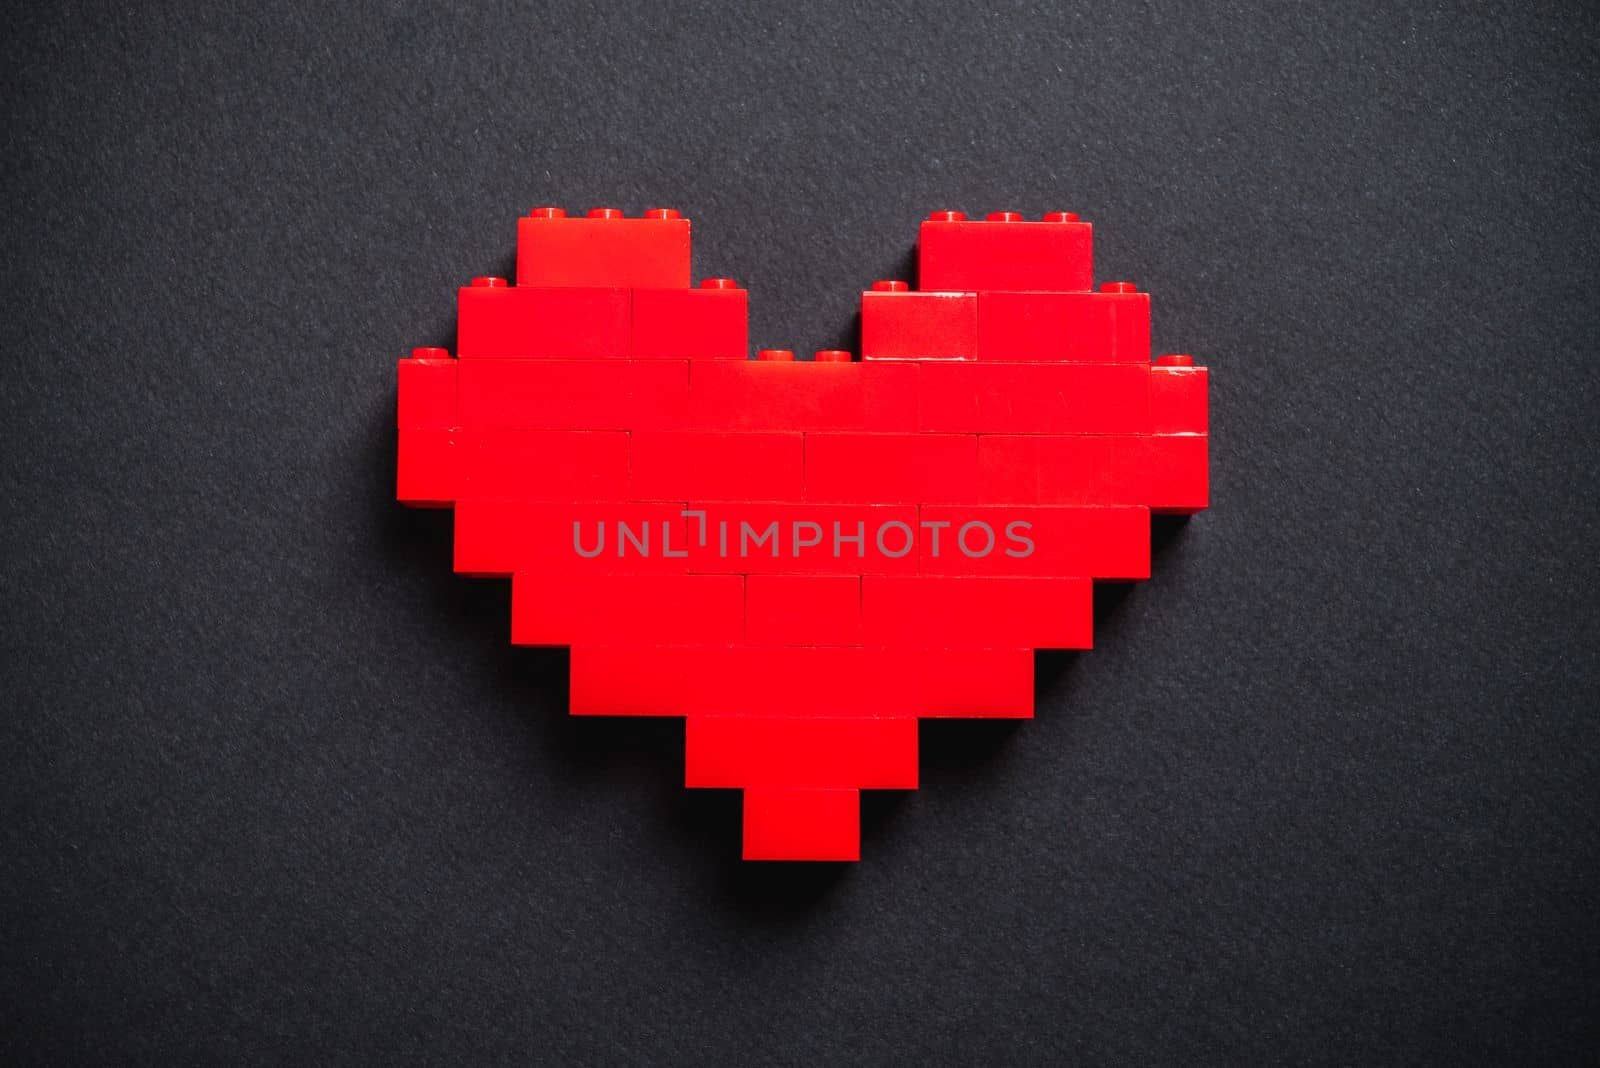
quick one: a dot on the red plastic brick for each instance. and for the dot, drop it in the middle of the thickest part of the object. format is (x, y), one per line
(932, 612)
(891, 468)
(954, 253)
(1105, 327)
(556, 608)
(428, 475)
(427, 390)
(580, 324)
(806, 395)
(1177, 473)
(707, 323)
(802, 609)
(1061, 469)
(648, 253)
(1178, 397)
(1034, 398)
(1110, 542)
(654, 680)
(541, 465)
(877, 753)
(801, 823)
(499, 537)
(705, 465)
(573, 394)
(899, 325)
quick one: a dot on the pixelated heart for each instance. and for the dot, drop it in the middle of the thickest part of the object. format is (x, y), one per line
(802, 558)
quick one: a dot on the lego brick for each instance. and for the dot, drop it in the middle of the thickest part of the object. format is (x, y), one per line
(804, 395)
(820, 681)
(709, 323)
(1004, 252)
(573, 394)
(603, 249)
(1104, 542)
(1176, 473)
(810, 539)
(891, 468)
(428, 474)
(801, 823)
(541, 465)
(499, 537)
(802, 609)
(500, 321)
(876, 753)
(900, 325)
(1178, 398)
(1061, 469)
(1034, 398)
(933, 612)
(1111, 326)
(427, 391)
(711, 466)
(554, 607)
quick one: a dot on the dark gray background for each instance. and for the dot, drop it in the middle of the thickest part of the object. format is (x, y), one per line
(275, 786)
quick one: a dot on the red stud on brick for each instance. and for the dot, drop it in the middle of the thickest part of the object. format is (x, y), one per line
(775, 355)
(834, 356)
(606, 213)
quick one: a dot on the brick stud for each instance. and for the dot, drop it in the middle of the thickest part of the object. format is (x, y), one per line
(718, 283)
(834, 356)
(549, 213)
(430, 354)
(776, 355)
(1060, 216)
(1118, 287)
(890, 285)
(948, 216)
(663, 213)
(489, 283)
(1175, 359)
(605, 213)
(1003, 216)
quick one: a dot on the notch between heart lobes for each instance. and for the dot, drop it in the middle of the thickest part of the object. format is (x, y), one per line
(802, 557)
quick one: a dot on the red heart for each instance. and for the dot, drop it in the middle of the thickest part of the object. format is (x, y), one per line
(802, 558)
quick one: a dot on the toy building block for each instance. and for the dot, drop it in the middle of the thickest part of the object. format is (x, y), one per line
(1106, 542)
(776, 393)
(818, 681)
(932, 612)
(755, 538)
(495, 538)
(1061, 469)
(876, 753)
(802, 609)
(562, 608)
(801, 823)
(865, 468)
(428, 475)
(897, 324)
(604, 249)
(497, 320)
(704, 465)
(1176, 474)
(1004, 252)
(573, 394)
(1178, 396)
(709, 323)
(427, 390)
(1034, 398)
(1110, 326)
(541, 465)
